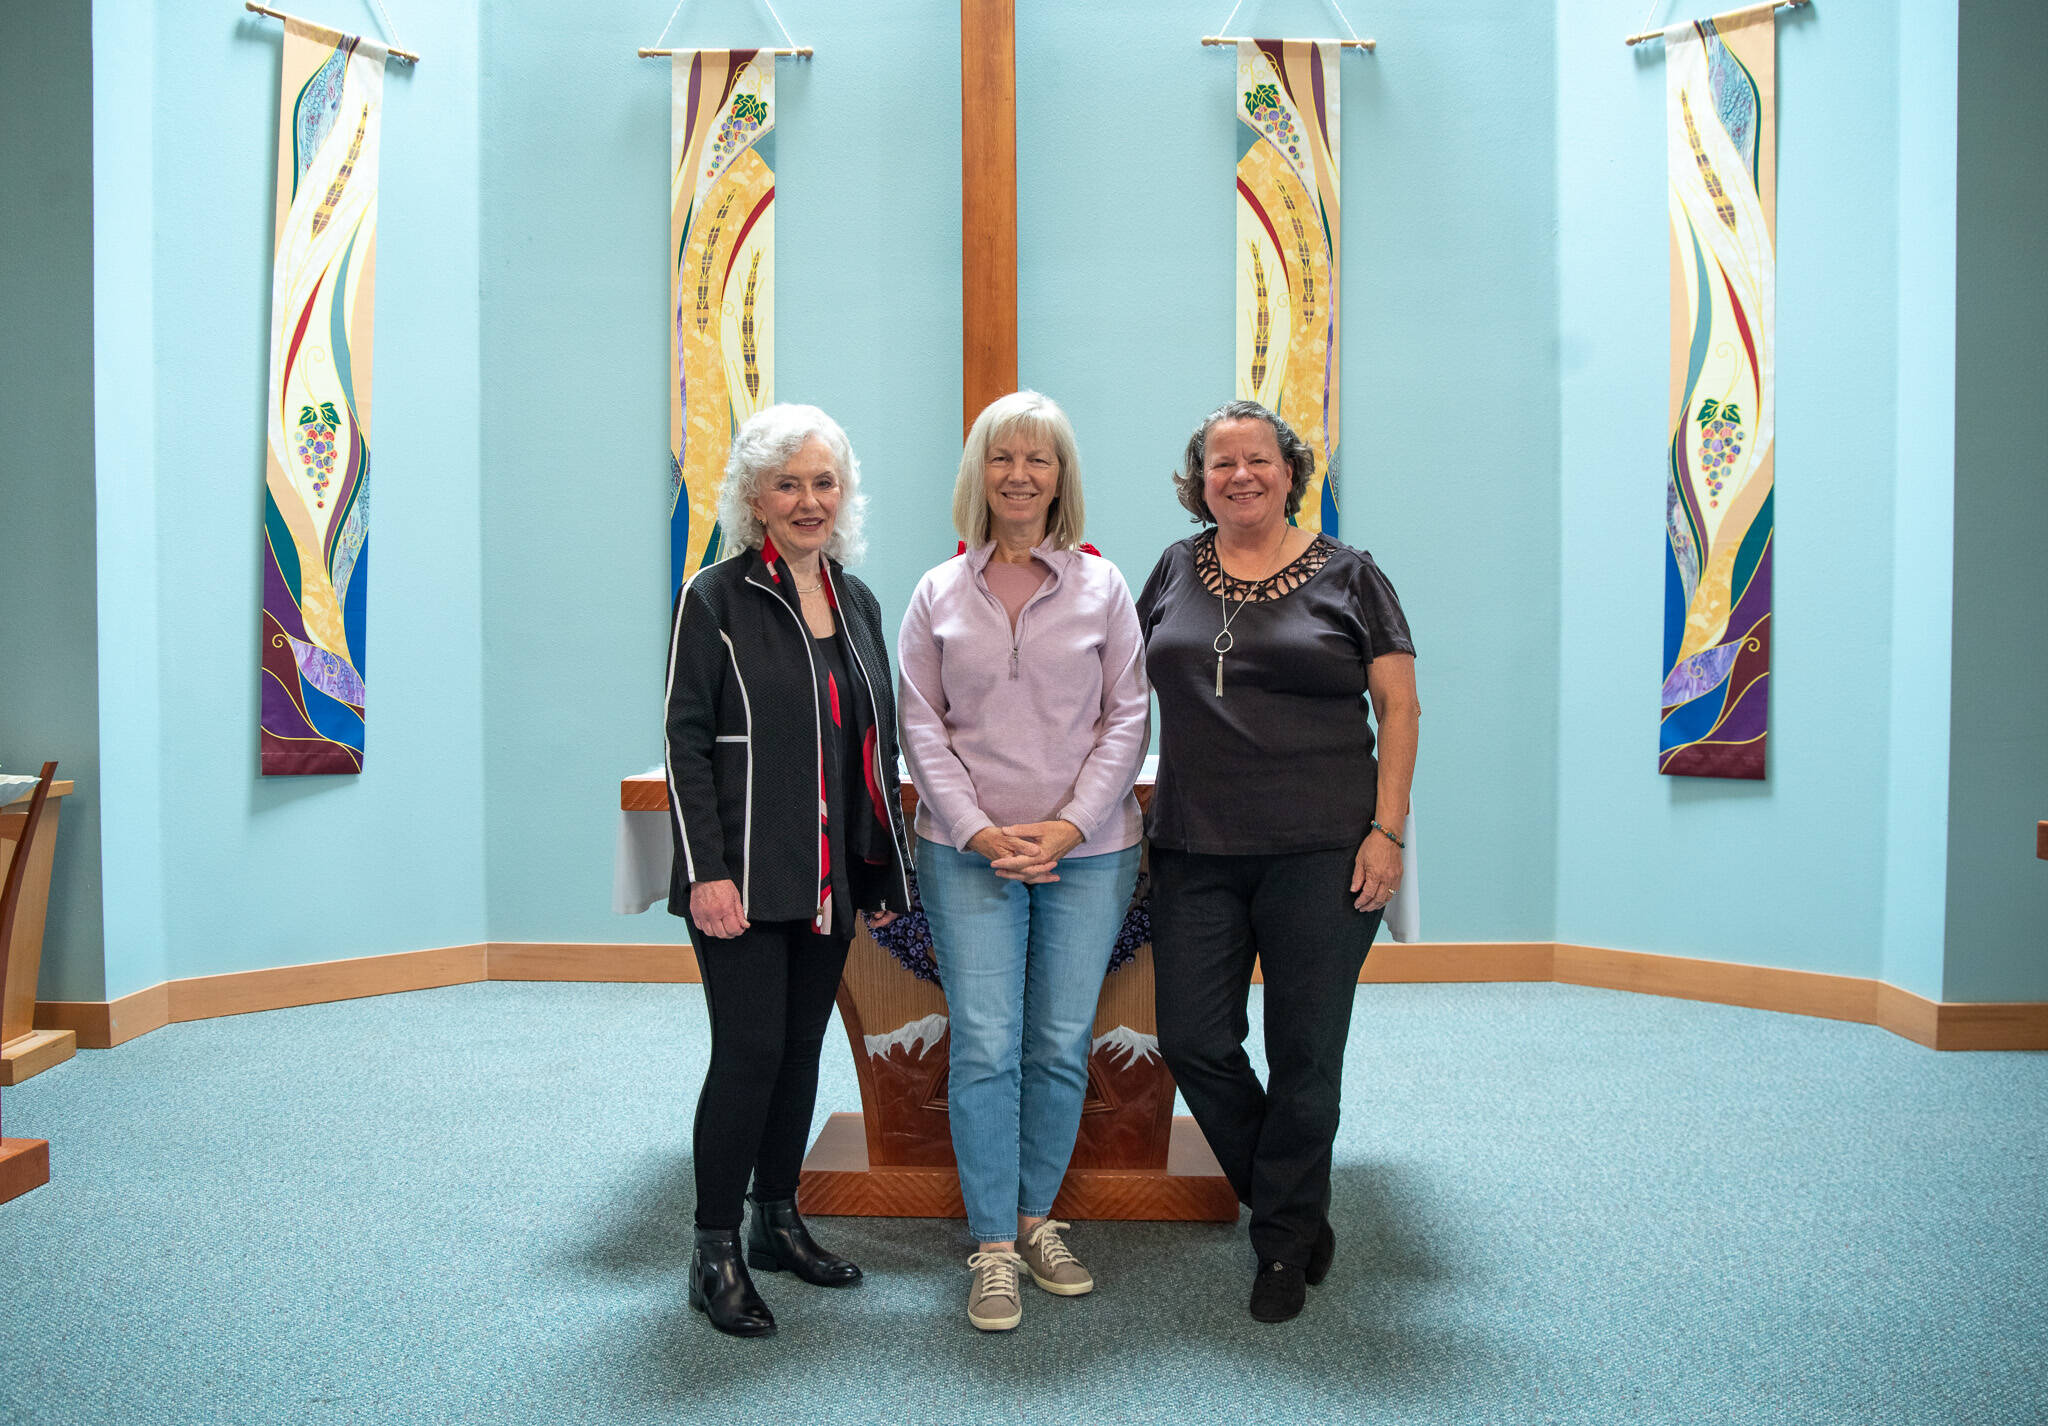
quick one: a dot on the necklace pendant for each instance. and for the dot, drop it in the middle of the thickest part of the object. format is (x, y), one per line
(1219, 675)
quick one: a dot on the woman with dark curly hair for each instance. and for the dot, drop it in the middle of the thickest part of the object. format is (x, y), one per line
(1275, 832)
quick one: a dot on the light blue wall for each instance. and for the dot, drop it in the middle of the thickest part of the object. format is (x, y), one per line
(1124, 317)
(209, 867)
(48, 681)
(575, 228)
(1998, 766)
(1790, 871)
(1503, 397)
(1923, 523)
(130, 640)
(1127, 222)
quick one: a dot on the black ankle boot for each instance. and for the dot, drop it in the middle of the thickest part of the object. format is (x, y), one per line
(778, 1240)
(721, 1289)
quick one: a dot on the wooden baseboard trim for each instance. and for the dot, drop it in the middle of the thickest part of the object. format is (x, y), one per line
(1831, 997)
(1938, 1025)
(208, 997)
(103, 1024)
(551, 960)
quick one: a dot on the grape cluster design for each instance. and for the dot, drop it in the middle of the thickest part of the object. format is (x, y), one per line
(1263, 104)
(1721, 438)
(737, 129)
(316, 447)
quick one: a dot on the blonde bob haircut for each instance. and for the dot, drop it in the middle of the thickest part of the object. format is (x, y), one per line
(1037, 418)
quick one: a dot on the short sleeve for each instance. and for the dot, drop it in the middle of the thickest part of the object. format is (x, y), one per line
(1386, 626)
(1154, 590)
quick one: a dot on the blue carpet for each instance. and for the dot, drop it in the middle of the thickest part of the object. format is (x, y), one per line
(1553, 1205)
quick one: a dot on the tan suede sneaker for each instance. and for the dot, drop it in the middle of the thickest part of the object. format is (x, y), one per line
(993, 1301)
(1050, 1264)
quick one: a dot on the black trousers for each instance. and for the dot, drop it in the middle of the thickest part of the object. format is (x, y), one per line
(770, 991)
(1211, 915)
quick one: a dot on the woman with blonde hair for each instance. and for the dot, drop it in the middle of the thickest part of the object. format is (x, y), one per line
(1025, 718)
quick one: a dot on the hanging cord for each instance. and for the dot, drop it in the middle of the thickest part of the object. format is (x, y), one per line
(1224, 29)
(390, 30)
(1655, 6)
(771, 11)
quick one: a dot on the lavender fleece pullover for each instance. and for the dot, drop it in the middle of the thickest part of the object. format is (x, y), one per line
(1051, 723)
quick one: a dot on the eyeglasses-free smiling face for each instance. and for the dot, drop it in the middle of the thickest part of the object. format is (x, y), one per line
(1022, 474)
(1245, 480)
(800, 506)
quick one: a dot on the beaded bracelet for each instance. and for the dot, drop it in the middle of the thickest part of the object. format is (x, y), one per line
(1390, 836)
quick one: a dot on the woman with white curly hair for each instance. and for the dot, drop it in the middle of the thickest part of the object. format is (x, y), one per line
(781, 777)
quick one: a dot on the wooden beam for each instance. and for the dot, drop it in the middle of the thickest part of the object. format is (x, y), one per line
(988, 203)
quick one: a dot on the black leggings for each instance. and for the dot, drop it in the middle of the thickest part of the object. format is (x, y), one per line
(770, 991)
(1210, 916)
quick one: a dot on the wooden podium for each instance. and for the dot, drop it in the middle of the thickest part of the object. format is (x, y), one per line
(1133, 1158)
(24, 1163)
(25, 1050)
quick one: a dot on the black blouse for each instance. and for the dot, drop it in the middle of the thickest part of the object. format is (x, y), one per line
(1282, 761)
(844, 784)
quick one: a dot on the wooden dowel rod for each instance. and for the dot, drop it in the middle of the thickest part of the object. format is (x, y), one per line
(250, 5)
(1345, 44)
(1742, 14)
(802, 53)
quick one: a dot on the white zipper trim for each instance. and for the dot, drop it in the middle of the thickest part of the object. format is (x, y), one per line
(747, 822)
(675, 802)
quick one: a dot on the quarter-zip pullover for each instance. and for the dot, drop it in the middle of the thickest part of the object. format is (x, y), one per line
(1047, 720)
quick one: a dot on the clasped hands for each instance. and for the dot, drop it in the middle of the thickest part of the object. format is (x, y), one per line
(1028, 852)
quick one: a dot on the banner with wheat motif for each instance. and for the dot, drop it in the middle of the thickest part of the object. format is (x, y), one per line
(316, 502)
(1288, 229)
(722, 293)
(1721, 144)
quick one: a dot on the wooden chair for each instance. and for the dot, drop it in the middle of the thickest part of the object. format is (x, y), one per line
(24, 1163)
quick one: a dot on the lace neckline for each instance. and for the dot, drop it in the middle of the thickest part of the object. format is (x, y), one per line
(1277, 585)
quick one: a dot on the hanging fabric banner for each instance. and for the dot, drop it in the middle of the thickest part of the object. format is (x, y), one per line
(1288, 231)
(316, 503)
(1721, 142)
(722, 292)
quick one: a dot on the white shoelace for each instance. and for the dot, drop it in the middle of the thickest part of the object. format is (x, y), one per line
(1001, 1267)
(1046, 1239)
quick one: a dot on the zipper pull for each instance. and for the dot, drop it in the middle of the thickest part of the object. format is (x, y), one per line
(1013, 661)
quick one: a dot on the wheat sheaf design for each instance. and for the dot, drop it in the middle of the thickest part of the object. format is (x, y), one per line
(1722, 206)
(1262, 328)
(750, 365)
(325, 213)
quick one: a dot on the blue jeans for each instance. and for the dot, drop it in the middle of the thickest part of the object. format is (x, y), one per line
(1023, 968)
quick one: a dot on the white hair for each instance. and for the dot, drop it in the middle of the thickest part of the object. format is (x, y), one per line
(761, 450)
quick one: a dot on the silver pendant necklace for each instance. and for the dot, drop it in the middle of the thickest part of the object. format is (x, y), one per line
(1225, 641)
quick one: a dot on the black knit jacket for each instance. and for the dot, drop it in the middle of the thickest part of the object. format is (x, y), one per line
(744, 743)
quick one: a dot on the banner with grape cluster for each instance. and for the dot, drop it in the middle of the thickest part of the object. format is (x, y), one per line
(316, 502)
(1721, 144)
(1288, 229)
(722, 296)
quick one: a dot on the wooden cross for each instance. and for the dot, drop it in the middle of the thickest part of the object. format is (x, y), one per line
(988, 203)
